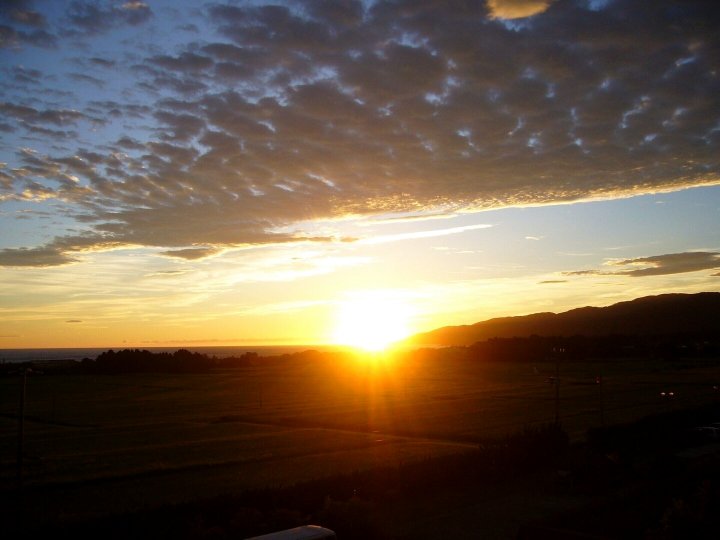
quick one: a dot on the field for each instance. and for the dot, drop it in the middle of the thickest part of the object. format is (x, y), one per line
(115, 443)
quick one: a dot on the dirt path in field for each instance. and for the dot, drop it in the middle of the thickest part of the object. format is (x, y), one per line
(398, 436)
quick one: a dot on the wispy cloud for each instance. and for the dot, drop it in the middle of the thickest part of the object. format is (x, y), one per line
(383, 239)
(283, 307)
(405, 219)
(168, 273)
(192, 254)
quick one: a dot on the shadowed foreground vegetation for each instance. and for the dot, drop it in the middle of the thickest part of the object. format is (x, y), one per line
(188, 446)
(611, 487)
(346, 502)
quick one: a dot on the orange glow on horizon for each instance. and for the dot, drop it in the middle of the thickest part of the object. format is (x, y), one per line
(371, 322)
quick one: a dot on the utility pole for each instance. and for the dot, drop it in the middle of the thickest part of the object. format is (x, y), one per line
(557, 352)
(21, 430)
(599, 380)
(557, 389)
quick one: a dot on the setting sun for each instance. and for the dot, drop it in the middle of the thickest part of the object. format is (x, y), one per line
(371, 322)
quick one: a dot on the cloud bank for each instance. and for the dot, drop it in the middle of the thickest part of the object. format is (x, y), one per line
(283, 114)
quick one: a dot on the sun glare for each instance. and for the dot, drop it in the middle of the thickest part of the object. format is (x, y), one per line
(371, 322)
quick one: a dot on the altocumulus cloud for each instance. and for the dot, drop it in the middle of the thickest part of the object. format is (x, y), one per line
(284, 114)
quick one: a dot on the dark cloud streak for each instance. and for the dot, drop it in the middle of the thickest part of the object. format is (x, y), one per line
(659, 265)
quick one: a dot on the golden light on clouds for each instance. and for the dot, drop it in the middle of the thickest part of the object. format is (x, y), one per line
(517, 9)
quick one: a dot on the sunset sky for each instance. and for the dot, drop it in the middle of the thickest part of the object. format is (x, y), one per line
(231, 173)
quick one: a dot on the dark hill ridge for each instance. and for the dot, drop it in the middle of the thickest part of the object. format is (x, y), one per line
(667, 314)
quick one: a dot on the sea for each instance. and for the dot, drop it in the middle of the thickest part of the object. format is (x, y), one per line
(46, 355)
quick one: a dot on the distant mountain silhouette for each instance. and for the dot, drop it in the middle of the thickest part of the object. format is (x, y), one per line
(667, 314)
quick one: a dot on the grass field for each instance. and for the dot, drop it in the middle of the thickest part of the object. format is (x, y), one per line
(97, 444)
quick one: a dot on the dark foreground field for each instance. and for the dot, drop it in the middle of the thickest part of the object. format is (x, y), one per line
(109, 445)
